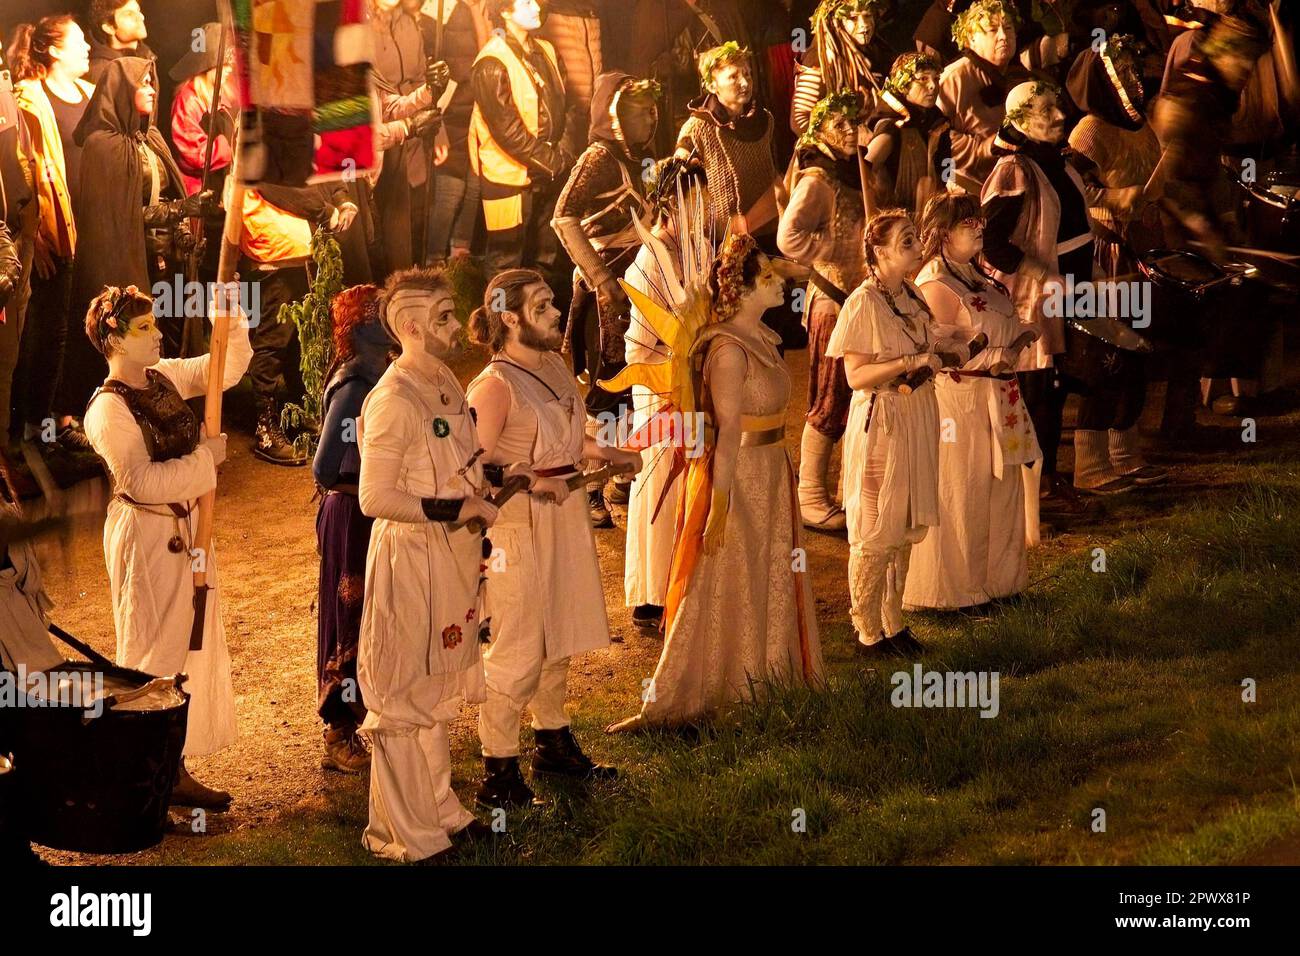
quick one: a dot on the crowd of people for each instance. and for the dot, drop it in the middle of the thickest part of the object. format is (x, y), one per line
(905, 221)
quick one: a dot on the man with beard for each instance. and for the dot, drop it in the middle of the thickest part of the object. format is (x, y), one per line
(116, 30)
(419, 661)
(1037, 234)
(546, 598)
(910, 140)
(973, 88)
(594, 221)
(822, 228)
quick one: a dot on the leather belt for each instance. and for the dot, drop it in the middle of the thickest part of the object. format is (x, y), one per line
(957, 375)
(177, 510)
(557, 471)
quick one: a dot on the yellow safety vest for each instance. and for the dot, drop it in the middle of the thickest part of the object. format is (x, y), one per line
(271, 234)
(486, 157)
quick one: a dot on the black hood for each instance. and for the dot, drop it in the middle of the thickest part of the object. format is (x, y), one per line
(1097, 88)
(112, 105)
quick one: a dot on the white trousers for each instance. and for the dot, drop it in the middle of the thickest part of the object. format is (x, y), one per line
(413, 809)
(519, 677)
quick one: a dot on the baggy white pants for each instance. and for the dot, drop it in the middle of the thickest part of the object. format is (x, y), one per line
(518, 676)
(413, 809)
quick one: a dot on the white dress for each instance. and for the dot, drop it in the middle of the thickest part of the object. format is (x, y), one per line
(152, 588)
(978, 551)
(649, 548)
(891, 449)
(418, 660)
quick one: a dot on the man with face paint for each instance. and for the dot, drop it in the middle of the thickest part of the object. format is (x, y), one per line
(594, 221)
(161, 463)
(846, 55)
(516, 133)
(973, 88)
(731, 136)
(1038, 232)
(421, 623)
(911, 141)
(548, 603)
(822, 227)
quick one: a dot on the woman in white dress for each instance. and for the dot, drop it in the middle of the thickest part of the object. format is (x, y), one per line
(161, 463)
(978, 551)
(891, 448)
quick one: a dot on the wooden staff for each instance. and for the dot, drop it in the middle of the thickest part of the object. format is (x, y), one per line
(231, 235)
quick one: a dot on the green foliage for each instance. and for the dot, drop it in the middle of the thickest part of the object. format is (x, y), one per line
(315, 337)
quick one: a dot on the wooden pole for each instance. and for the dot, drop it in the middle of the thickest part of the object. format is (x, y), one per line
(230, 239)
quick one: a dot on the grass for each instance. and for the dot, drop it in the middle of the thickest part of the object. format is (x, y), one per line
(1120, 691)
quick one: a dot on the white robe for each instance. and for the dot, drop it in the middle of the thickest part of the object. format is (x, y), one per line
(978, 551)
(891, 446)
(418, 660)
(152, 588)
(649, 548)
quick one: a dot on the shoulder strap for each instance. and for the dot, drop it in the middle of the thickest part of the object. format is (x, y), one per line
(497, 361)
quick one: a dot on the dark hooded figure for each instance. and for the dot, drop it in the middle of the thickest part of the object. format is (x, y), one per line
(594, 222)
(130, 222)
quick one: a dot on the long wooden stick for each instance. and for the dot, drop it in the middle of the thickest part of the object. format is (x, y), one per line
(230, 239)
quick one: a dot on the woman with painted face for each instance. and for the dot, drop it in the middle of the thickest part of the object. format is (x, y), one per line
(977, 553)
(361, 353)
(132, 221)
(161, 462)
(1122, 151)
(846, 55)
(891, 448)
(740, 610)
(548, 604)
(910, 142)
(49, 61)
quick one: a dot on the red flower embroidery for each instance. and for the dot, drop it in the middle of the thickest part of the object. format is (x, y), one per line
(1013, 394)
(1013, 420)
(469, 615)
(451, 636)
(977, 303)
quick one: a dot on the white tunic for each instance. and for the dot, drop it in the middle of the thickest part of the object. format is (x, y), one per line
(891, 451)
(152, 588)
(649, 548)
(418, 659)
(978, 551)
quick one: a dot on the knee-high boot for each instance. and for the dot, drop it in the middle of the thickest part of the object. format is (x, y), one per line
(817, 507)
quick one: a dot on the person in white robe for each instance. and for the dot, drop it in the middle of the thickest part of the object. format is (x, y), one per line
(978, 551)
(891, 447)
(161, 463)
(544, 584)
(419, 658)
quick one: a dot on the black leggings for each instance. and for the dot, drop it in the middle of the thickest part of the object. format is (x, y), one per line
(1044, 396)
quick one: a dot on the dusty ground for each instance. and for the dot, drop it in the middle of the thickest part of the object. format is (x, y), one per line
(266, 541)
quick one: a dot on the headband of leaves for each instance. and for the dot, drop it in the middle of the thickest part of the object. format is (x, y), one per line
(905, 69)
(1017, 116)
(977, 16)
(641, 89)
(847, 103)
(730, 274)
(720, 56)
(829, 11)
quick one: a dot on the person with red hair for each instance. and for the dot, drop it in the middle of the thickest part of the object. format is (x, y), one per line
(361, 353)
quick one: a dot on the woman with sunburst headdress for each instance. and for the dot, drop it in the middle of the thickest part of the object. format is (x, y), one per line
(739, 610)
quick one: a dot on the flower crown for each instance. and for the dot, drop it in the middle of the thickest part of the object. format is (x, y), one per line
(847, 103)
(111, 306)
(905, 69)
(968, 22)
(729, 274)
(720, 56)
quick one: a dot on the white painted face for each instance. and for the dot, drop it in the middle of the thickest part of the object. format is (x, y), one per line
(142, 341)
(902, 248)
(1045, 122)
(861, 26)
(769, 289)
(539, 326)
(425, 322)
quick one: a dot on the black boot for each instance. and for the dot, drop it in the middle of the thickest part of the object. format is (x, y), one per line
(597, 508)
(270, 443)
(559, 753)
(503, 786)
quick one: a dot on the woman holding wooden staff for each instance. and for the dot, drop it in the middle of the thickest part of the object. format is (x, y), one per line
(161, 462)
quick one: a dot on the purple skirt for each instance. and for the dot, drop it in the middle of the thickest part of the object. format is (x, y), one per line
(343, 537)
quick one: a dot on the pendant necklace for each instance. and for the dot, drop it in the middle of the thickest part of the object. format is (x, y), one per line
(907, 320)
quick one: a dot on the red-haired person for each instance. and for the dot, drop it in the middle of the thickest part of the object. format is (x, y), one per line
(361, 353)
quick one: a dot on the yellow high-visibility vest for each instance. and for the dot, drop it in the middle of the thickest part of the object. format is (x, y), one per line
(486, 157)
(271, 234)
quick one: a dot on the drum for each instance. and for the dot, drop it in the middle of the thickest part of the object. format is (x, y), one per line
(1271, 213)
(98, 748)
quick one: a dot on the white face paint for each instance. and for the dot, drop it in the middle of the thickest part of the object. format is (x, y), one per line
(142, 343)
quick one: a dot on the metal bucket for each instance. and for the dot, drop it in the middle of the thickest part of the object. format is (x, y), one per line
(101, 783)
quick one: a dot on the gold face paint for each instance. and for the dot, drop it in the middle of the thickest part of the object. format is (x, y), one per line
(145, 325)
